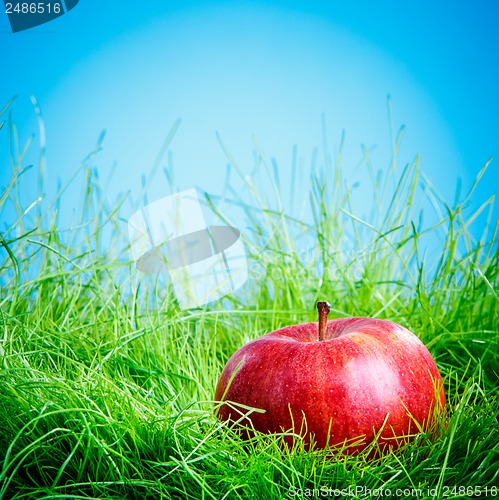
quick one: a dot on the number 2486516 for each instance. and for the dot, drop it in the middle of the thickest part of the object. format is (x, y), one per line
(33, 8)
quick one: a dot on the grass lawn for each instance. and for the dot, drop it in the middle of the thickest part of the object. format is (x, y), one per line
(106, 385)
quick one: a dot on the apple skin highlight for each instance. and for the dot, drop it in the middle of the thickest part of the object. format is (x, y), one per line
(367, 378)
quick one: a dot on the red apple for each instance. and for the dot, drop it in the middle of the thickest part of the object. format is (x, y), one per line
(345, 382)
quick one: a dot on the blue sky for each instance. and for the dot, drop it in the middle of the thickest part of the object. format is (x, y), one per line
(264, 69)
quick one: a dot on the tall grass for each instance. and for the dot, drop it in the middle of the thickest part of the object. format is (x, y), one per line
(104, 396)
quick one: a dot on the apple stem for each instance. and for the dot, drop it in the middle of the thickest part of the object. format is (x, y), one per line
(323, 308)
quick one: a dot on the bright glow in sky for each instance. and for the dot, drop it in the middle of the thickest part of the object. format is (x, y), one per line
(257, 69)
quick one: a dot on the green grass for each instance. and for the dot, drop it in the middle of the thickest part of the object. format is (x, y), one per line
(104, 396)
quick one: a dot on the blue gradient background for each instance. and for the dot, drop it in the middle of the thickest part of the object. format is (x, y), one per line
(269, 69)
